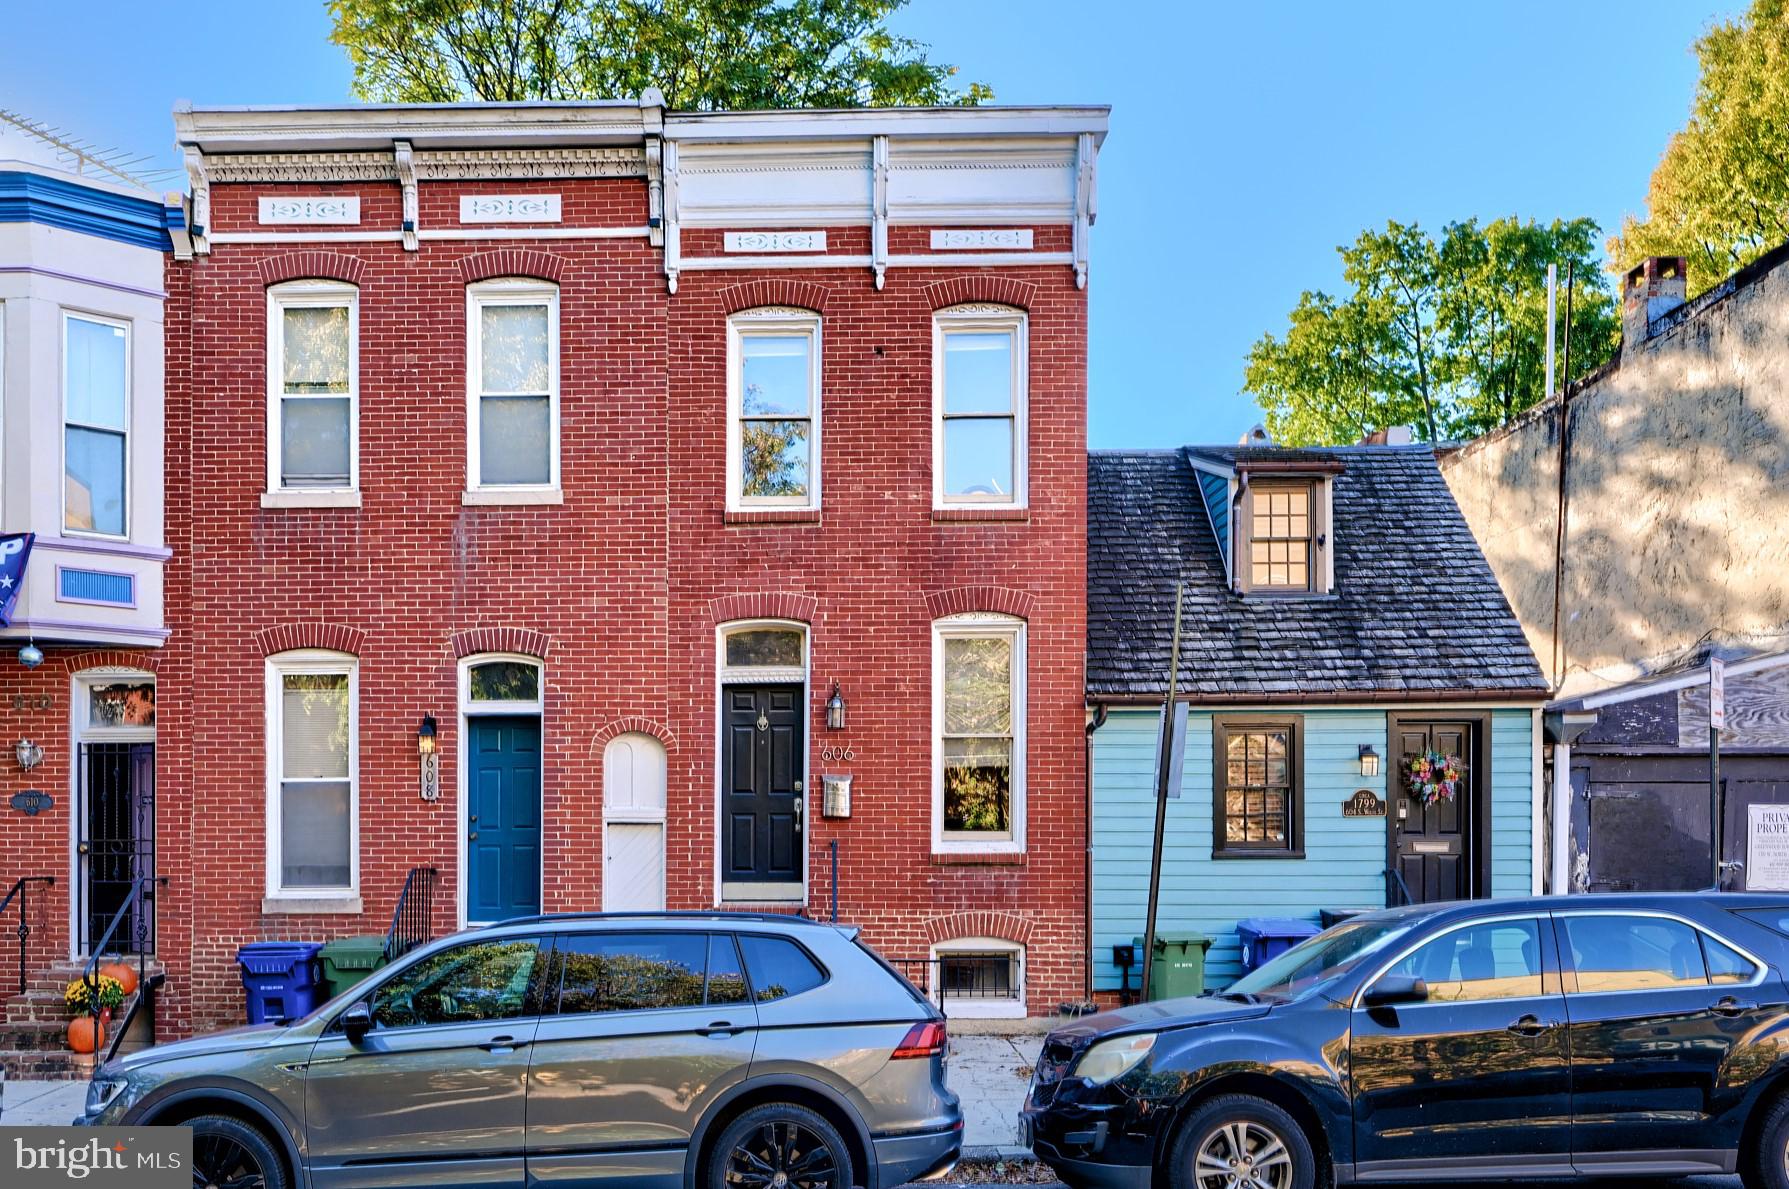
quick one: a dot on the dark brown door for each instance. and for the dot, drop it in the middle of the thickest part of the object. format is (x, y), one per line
(1431, 845)
(761, 780)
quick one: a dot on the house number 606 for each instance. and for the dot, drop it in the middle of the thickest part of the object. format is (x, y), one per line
(842, 755)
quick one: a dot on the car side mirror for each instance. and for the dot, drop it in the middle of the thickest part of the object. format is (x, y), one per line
(1394, 989)
(357, 1021)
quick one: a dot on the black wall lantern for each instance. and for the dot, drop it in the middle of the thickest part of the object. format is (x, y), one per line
(428, 762)
(835, 710)
(425, 736)
(1369, 760)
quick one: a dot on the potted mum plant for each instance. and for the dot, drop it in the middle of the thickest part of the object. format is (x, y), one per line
(94, 1005)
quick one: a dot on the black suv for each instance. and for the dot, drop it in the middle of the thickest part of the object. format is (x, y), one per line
(1625, 1036)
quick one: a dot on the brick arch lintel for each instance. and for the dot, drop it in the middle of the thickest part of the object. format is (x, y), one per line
(1006, 291)
(632, 725)
(110, 658)
(959, 600)
(522, 641)
(775, 291)
(1003, 926)
(336, 637)
(511, 262)
(765, 605)
(313, 263)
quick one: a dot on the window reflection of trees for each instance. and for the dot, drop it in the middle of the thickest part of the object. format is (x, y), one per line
(483, 981)
(978, 733)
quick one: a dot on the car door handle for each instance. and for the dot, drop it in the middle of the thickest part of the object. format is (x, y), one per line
(502, 1044)
(1730, 1007)
(720, 1028)
(1530, 1026)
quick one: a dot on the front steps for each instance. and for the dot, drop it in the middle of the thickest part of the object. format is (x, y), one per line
(34, 1027)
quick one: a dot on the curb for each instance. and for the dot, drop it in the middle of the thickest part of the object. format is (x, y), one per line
(997, 1152)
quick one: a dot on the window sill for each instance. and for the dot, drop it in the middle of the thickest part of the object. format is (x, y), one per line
(310, 499)
(969, 514)
(522, 496)
(1270, 855)
(979, 858)
(771, 516)
(312, 905)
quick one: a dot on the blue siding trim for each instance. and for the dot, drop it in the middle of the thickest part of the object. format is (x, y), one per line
(1344, 857)
(96, 586)
(1216, 490)
(33, 198)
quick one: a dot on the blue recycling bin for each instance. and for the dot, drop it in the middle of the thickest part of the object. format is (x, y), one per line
(281, 978)
(1266, 938)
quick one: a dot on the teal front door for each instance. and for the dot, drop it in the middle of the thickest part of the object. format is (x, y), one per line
(502, 817)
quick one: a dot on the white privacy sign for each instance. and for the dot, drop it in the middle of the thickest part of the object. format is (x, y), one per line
(1767, 848)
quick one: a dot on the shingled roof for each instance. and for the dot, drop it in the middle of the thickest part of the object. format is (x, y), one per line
(1416, 612)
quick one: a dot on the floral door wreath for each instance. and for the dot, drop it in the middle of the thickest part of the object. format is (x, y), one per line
(1431, 776)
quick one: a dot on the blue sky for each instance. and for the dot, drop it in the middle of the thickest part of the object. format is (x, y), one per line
(1248, 139)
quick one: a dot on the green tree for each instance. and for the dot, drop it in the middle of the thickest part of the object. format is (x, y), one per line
(1448, 338)
(1720, 194)
(702, 54)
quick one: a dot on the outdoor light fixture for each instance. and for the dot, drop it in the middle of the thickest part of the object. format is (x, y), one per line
(1369, 760)
(430, 762)
(835, 710)
(31, 656)
(30, 754)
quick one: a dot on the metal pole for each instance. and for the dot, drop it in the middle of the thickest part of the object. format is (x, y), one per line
(835, 881)
(1714, 801)
(1161, 792)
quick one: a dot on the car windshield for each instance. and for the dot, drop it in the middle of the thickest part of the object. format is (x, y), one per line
(1328, 955)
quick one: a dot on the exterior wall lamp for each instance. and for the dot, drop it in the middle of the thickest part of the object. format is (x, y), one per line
(30, 754)
(429, 759)
(31, 655)
(1369, 760)
(835, 710)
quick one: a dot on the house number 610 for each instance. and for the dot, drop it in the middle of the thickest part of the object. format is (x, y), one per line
(840, 754)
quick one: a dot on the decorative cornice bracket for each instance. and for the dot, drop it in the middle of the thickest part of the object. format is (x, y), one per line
(199, 218)
(406, 163)
(879, 209)
(1084, 203)
(672, 233)
(655, 190)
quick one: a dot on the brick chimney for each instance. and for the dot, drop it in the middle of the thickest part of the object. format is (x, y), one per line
(1651, 289)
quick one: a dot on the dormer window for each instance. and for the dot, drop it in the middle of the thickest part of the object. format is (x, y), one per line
(1281, 535)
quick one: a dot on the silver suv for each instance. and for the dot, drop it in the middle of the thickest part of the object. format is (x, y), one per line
(702, 1051)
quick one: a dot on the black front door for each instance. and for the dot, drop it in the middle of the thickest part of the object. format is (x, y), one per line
(762, 747)
(1432, 844)
(117, 845)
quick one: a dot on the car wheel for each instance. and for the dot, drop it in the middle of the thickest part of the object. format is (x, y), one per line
(1766, 1165)
(229, 1152)
(779, 1146)
(1239, 1142)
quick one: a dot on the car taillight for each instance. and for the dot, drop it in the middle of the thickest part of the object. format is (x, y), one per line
(922, 1040)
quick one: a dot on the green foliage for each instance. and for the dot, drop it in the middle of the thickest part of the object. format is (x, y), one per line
(1720, 194)
(1447, 337)
(703, 54)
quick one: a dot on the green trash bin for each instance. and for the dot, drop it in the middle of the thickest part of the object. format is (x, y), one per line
(1179, 967)
(347, 960)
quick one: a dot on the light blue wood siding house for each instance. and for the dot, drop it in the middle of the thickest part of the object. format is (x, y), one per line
(1334, 602)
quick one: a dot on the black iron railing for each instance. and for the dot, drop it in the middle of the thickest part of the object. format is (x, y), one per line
(1397, 892)
(137, 907)
(413, 921)
(21, 892)
(988, 978)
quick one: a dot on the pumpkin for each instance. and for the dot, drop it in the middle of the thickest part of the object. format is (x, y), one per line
(85, 1034)
(126, 976)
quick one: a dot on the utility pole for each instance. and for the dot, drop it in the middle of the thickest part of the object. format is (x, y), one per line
(1162, 784)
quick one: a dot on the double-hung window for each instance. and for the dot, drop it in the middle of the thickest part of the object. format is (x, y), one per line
(313, 369)
(979, 382)
(513, 380)
(312, 757)
(1258, 808)
(773, 409)
(978, 712)
(96, 421)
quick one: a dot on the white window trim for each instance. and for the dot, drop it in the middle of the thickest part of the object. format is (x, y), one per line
(468, 709)
(978, 624)
(786, 322)
(986, 319)
(129, 432)
(765, 675)
(978, 1009)
(309, 295)
(510, 291)
(311, 660)
(81, 730)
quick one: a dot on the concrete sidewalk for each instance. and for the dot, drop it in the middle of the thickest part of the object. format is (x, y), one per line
(990, 1074)
(41, 1104)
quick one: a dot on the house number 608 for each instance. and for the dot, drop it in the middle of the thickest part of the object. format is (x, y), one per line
(841, 754)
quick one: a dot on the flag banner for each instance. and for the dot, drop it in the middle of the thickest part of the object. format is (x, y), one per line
(15, 551)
